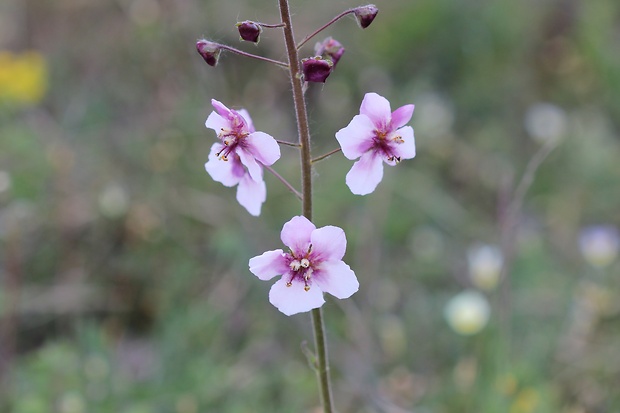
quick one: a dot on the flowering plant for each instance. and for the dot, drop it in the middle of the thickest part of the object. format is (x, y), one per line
(313, 264)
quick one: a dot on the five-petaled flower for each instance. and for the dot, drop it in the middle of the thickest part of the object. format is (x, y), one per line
(238, 159)
(312, 265)
(375, 136)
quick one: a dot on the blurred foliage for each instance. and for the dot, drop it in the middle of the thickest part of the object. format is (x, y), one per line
(124, 266)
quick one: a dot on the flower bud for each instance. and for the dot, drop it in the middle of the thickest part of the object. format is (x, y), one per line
(329, 48)
(365, 15)
(249, 31)
(316, 69)
(209, 51)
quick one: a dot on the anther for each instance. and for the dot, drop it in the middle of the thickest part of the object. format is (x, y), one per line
(288, 284)
(295, 265)
(305, 263)
(307, 287)
(398, 139)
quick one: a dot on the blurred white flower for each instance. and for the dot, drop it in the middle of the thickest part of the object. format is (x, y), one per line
(485, 266)
(5, 181)
(113, 201)
(545, 122)
(467, 312)
(435, 115)
(71, 402)
(599, 244)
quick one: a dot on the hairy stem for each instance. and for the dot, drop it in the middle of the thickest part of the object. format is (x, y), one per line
(284, 181)
(325, 26)
(306, 189)
(328, 154)
(285, 143)
(300, 110)
(250, 55)
(270, 26)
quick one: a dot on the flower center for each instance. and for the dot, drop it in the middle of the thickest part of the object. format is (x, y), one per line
(231, 139)
(386, 145)
(301, 268)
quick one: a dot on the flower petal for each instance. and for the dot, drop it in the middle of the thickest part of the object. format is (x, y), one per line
(294, 299)
(248, 120)
(401, 116)
(406, 149)
(365, 174)
(222, 109)
(296, 234)
(338, 279)
(377, 108)
(328, 243)
(263, 147)
(217, 123)
(269, 264)
(247, 159)
(251, 194)
(356, 138)
(228, 172)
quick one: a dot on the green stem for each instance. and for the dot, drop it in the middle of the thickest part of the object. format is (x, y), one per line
(306, 191)
(322, 370)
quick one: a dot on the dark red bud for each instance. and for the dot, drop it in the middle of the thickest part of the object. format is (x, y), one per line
(209, 51)
(249, 31)
(316, 69)
(329, 48)
(366, 14)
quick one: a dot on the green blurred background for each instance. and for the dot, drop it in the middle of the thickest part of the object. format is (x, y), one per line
(123, 266)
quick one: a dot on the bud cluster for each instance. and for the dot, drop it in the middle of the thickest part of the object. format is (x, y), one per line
(316, 68)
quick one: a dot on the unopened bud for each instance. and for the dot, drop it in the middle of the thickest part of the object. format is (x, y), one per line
(209, 51)
(329, 48)
(316, 69)
(249, 31)
(366, 14)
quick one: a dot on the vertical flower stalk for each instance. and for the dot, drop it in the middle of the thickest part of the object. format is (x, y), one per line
(306, 190)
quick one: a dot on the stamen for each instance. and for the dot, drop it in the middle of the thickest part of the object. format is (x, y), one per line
(295, 265)
(305, 263)
(307, 287)
(288, 284)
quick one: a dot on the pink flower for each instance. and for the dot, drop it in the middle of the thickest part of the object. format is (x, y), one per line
(313, 265)
(238, 159)
(375, 136)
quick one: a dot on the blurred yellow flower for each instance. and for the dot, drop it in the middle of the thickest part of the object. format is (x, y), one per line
(526, 401)
(23, 77)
